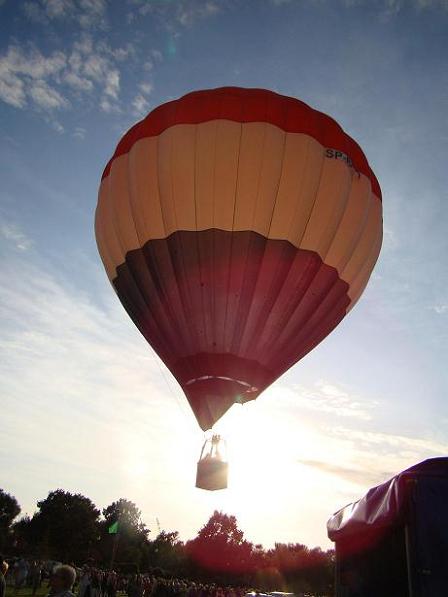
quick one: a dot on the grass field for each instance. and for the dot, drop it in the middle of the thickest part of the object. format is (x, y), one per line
(27, 591)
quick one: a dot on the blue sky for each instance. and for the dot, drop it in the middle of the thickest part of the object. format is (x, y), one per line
(86, 405)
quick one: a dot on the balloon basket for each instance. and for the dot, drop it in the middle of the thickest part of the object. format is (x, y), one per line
(212, 468)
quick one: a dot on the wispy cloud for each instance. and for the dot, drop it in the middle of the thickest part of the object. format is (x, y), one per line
(326, 397)
(86, 13)
(357, 476)
(77, 372)
(79, 133)
(183, 13)
(23, 73)
(47, 97)
(12, 233)
(140, 105)
(400, 446)
(46, 81)
(440, 309)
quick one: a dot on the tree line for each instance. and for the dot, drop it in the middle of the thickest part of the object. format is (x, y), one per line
(70, 528)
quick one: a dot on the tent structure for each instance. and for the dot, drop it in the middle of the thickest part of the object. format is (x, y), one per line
(394, 540)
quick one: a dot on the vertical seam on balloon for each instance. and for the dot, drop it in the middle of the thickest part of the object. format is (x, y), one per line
(335, 231)
(204, 337)
(183, 279)
(131, 194)
(316, 190)
(213, 330)
(113, 220)
(146, 299)
(285, 108)
(342, 193)
(322, 257)
(168, 310)
(370, 214)
(297, 246)
(267, 239)
(233, 226)
(360, 229)
(249, 244)
(100, 236)
(334, 315)
(281, 345)
(366, 270)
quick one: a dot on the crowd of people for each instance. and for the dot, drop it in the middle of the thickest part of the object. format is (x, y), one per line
(90, 581)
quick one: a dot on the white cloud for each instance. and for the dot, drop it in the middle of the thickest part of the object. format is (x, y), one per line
(57, 126)
(108, 106)
(328, 398)
(146, 88)
(172, 14)
(189, 13)
(86, 13)
(440, 309)
(78, 82)
(12, 89)
(402, 446)
(80, 373)
(15, 235)
(59, 8)
(92, 12)
(140, 105)
(157, 55)
(79, 133)
(23, 77)
(28, 77)
(112, 86)
(47, 97)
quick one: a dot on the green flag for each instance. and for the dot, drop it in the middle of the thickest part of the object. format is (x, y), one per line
(113, 529)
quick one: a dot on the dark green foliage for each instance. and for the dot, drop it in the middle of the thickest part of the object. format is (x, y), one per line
(9, 509)
(68, 527)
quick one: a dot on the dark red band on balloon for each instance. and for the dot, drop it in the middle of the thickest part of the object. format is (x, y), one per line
(248, 105)
(229, 312)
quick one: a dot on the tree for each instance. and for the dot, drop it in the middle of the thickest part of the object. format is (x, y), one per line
(167, 553)
(133, 534)
(65, 527)
(220, 548)
(9, 509)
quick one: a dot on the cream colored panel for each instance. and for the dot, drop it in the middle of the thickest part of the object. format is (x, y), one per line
(249, 169)
(328, 208)
(352, 223)
(108, 234)
(165, 143)
(358, 285)
(204, 173)
(299, 181)
(100, 234)
(144, 190)
(227, 155)
(269, 179)
(182, 168)
(369, 238)
(285, 187)
(119, 203)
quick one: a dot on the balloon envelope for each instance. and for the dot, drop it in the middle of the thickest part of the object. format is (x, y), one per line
(238, 227)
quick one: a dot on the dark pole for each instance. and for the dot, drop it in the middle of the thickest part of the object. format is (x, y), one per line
(114, 547)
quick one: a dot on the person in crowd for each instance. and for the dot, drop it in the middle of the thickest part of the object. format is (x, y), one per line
(35, 576)
(20, 574)
(84, 589)
(3, 571)
(61, 581)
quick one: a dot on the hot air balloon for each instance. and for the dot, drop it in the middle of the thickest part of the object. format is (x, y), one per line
(238, 227)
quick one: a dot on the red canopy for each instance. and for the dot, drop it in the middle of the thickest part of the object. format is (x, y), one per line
(382, 506)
